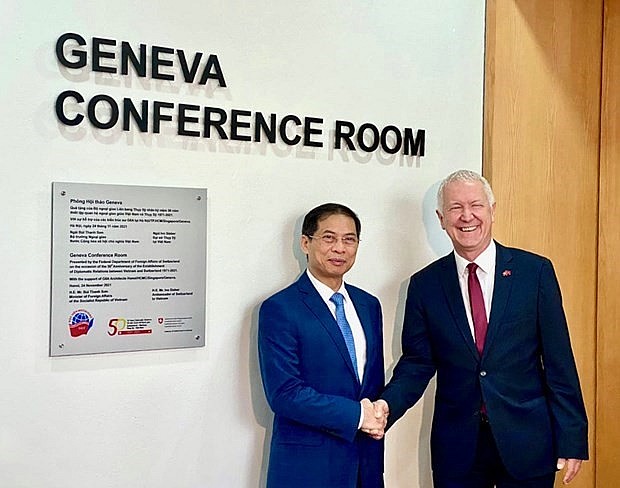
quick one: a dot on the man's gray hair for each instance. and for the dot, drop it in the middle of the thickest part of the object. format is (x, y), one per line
(464, 175)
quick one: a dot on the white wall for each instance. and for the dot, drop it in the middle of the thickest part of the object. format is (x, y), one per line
(198, 417)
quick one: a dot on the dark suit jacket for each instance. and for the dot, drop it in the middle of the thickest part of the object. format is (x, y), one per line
(526, 377)
(311, 386)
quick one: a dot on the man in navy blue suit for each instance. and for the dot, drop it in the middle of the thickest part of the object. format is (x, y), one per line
(320, 344)
(508, 405)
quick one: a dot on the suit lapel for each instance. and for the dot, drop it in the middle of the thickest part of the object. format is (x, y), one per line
(450, 283)
(501, 292)
(363, 313)
(319, 309)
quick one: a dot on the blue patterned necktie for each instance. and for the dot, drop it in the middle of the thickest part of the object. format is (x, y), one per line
(345, 328)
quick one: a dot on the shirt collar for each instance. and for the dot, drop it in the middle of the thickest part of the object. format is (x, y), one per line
(485, 261)
(325, 291)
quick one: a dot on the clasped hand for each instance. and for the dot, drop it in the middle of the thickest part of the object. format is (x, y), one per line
(375, 418)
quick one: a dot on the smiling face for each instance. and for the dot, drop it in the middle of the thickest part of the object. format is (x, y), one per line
(329, 262)
(467, 217)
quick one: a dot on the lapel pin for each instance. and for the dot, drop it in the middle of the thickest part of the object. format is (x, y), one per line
(506, 272)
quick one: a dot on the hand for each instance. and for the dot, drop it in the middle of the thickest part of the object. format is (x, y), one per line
(375, 418)
(571, 469)
(382, 410)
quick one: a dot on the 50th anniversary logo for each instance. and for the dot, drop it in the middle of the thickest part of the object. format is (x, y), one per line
(82, 321)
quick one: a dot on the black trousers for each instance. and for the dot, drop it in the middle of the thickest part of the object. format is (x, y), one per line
(488, 470)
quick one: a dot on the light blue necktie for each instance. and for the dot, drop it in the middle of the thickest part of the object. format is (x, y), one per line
(345, 328)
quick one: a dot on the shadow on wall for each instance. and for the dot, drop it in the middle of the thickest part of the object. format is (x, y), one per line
(262, 412)
(167, 137)
(437, 239)
(428, 402)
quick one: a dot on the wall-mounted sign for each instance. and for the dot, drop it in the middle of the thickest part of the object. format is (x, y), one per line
(119, 58)
(128, 268)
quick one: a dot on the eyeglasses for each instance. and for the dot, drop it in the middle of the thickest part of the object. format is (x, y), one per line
(330, 239)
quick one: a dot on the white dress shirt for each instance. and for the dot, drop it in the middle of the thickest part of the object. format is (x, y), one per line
(486, 276)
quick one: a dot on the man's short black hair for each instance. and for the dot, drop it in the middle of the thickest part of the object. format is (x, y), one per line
(312, 218)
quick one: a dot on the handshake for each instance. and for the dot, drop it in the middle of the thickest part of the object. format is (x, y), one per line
(375, 418)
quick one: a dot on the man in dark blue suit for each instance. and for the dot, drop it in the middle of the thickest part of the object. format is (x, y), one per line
(320, 345)
(508, 405)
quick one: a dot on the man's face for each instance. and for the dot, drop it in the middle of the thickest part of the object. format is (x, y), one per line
(329, 262)
(467, 217)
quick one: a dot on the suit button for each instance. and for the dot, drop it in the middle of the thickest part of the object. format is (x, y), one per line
(483, 373)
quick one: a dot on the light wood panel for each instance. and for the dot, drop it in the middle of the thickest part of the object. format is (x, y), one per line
(541, 152)
(608, 361)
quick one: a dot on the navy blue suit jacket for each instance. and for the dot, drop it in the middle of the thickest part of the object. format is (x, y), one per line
(310, 384)
(526, 376)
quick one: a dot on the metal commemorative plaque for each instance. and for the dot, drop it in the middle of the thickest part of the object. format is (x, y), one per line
(128, 268)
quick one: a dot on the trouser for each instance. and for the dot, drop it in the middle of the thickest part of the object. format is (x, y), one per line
(488, 470)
